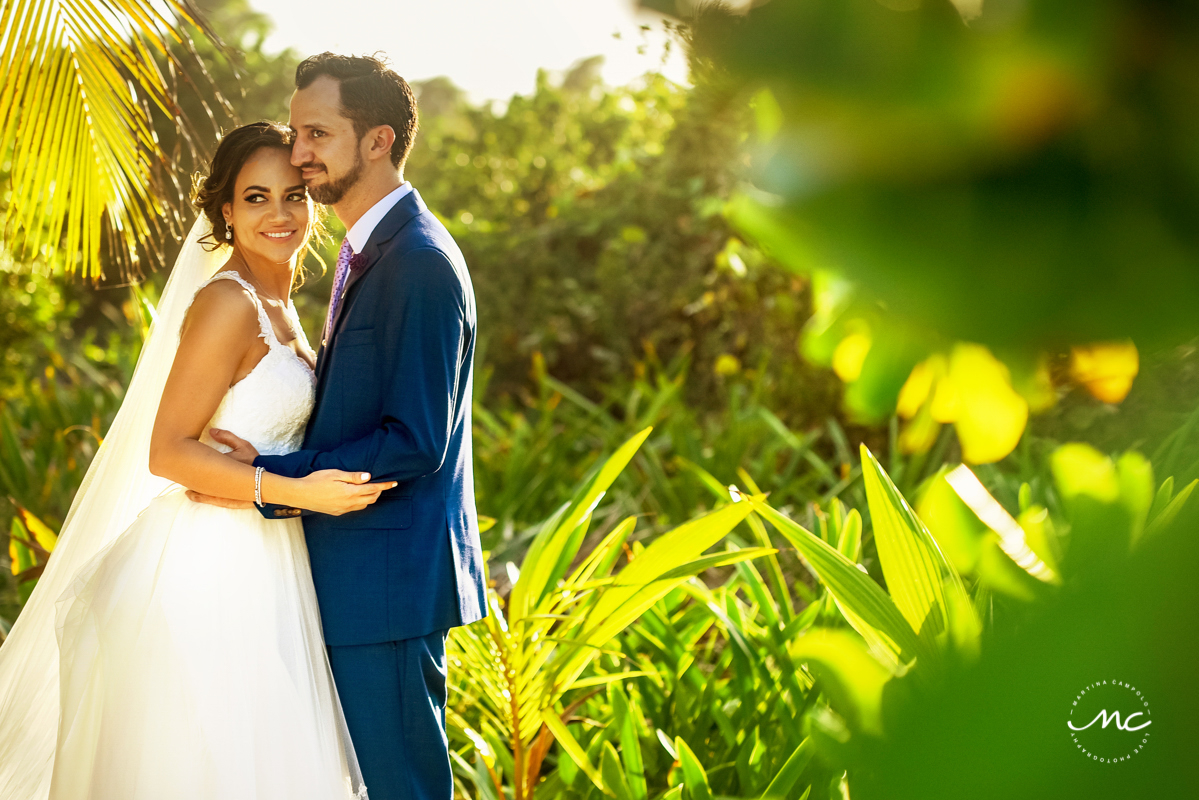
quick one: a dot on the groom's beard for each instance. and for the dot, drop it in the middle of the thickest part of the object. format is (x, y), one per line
(332, 191)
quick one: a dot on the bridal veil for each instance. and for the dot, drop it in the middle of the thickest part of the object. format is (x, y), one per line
(117, 487)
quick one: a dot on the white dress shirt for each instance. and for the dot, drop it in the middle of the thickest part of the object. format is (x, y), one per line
(361, 232)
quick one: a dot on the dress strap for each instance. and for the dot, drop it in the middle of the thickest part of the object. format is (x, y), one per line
(266, 331)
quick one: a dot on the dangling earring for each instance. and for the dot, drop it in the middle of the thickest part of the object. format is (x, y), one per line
(228, 231)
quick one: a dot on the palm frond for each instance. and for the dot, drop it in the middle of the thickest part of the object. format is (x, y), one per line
(75, 126)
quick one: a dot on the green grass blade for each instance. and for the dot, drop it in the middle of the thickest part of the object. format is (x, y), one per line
(853, 589)
(781, 785)
(614, 777)
(630, 745)
(694, 777)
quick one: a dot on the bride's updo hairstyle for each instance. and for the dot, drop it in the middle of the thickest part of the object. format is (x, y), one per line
(212, 191)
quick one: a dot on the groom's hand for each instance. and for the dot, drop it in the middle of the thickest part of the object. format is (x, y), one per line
(223, 502)
(242, 451)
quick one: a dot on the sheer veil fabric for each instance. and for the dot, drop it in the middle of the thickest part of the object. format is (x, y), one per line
(116, 490)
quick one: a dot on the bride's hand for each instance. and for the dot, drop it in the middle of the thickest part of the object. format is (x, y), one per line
(334, 492)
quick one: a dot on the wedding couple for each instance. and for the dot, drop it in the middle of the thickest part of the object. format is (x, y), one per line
(251, 594)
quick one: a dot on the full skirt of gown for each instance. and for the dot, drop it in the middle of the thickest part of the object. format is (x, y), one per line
(192, 666)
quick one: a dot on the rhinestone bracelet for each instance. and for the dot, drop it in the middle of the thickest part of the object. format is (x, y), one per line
(258, 485)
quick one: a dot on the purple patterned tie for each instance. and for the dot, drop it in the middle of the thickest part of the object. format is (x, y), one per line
(339, 282)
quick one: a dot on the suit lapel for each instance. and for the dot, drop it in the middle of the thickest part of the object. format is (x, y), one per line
(409, 206)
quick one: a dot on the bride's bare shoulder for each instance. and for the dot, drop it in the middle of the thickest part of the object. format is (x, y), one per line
(222, 306)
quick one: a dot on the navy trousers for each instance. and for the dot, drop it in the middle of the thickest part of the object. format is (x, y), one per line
(394, 696)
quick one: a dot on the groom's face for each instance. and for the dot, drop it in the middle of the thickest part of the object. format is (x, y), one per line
(327, 149)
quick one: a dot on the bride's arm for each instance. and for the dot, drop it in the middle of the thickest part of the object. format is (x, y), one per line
(218, 333)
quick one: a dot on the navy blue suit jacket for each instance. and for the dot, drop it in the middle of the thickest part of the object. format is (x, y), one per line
(393, 398)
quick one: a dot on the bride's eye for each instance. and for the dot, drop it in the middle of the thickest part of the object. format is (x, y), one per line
(254, 198)
(299, 197)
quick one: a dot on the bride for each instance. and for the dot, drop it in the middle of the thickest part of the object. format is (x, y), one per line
(173, 649)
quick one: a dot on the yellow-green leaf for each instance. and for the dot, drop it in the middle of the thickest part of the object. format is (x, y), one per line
(572, 748)
(872, 612)
(917, 572)
(694, 776)
(852, 677)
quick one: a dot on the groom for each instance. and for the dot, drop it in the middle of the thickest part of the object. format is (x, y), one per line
(393, 398)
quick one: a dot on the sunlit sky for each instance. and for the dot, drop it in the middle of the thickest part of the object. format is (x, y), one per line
(491, 48)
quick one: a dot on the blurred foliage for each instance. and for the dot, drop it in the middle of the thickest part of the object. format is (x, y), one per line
(1015, 176)
(591, 220)
(994, 199)
(996, 726)
(1021, 179)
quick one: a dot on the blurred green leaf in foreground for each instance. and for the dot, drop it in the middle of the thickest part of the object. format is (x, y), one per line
(1009, 177)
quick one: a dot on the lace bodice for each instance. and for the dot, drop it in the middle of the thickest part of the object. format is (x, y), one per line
(270, 406)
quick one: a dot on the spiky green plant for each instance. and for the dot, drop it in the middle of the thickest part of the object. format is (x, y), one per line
(513, 669)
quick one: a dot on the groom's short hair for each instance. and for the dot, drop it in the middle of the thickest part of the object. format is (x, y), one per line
(371, 95)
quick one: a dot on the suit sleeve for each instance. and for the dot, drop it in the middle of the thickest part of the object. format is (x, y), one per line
(275, 511)
(427, 334)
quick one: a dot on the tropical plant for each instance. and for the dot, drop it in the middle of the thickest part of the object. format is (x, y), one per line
(75, 126)
(513, 669)
(738, 691)
(721, 707)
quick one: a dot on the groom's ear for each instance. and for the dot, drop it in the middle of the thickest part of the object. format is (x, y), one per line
(380, 139)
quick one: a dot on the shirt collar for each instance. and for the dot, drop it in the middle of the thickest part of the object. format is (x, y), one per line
(361, 232)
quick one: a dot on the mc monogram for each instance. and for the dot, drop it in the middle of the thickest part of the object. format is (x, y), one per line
(1126, 725)
(1115, 738)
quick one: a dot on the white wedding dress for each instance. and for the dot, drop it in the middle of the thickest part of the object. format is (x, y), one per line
(190, 660)
(192, 665)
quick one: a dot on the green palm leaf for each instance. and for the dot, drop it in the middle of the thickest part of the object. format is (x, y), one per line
(671, 560)
(557, 543)
(75, 122)
(572, 747)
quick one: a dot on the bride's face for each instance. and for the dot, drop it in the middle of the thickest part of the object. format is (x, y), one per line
(270, 211)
